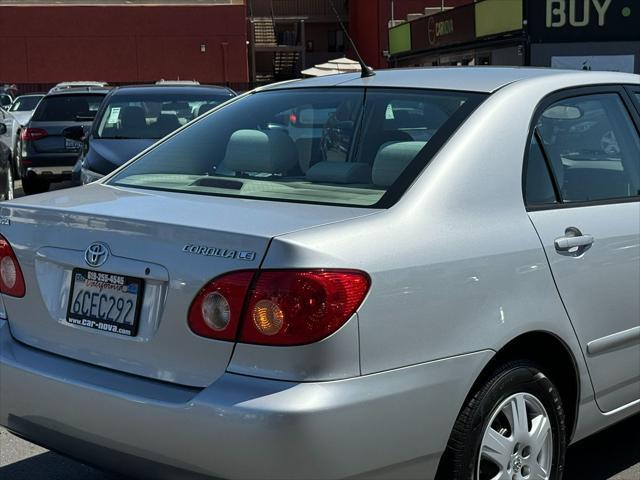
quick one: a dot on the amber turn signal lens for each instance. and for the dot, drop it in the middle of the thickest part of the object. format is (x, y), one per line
(267, 317)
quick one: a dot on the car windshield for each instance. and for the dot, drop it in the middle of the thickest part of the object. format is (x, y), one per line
(26, 103)
(154, 116)
(329, 146)
(67, 108)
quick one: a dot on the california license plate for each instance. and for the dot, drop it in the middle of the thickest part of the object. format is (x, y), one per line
(105, 301)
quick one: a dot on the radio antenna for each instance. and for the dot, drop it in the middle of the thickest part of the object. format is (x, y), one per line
(365, 70)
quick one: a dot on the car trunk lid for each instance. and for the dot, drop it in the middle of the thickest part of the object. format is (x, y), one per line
(174, 243)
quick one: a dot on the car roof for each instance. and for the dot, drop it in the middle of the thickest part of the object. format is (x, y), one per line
(473, 79)
(79, 91)
(169, 88)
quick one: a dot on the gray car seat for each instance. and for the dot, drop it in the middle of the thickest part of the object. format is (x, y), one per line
(391, 161)
(133, 122)
(256, 151)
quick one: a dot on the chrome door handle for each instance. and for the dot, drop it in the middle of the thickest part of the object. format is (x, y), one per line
(573, 238)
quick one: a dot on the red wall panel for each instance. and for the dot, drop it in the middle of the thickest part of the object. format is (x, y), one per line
(123, 43)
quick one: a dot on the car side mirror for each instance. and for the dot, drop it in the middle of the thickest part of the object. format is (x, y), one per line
(74, 133)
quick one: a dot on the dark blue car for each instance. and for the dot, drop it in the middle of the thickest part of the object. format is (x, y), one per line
(134, 117)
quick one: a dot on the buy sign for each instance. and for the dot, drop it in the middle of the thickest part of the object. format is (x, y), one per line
(561, 12)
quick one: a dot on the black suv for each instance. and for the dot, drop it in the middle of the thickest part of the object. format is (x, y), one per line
(46, 156)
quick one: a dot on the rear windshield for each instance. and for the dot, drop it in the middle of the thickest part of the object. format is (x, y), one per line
(154, 116)
(68, 108)
(329, 146)
(26, 103)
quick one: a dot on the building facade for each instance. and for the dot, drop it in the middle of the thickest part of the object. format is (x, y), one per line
(241, 43)
(369, 22)
(575, 34)
(122, 42)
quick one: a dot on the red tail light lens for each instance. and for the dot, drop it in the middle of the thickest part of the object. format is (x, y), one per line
(284, 307)
(11, 279)
(216, 310)
(290, 307)
(29, 134)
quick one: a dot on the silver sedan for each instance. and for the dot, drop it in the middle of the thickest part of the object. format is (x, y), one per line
(419, 274)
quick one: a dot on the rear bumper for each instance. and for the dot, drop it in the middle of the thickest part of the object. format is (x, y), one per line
(386, 425)
(50, 166)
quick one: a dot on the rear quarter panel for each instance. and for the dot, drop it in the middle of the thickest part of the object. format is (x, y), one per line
(456, 265)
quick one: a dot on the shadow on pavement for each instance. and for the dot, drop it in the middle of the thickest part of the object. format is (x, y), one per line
(605, 454)
(51, 466)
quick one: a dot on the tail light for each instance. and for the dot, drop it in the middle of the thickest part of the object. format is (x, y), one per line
(29, 134)
(217, 309)
(282, 307)
(11, 279)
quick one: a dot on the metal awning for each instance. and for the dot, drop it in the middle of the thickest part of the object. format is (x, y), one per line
(333, 67)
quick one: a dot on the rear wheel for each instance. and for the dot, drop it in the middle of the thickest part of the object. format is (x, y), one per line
(512, 428)
(32, 185)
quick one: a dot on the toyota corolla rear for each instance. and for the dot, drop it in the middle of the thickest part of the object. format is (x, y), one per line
(165, 322)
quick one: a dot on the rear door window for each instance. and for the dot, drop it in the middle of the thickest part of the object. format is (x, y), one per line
(539, 188)
(68, 108)
(334, 146)
(592, 147)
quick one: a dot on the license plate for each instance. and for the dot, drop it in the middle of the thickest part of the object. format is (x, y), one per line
(105, 301)
(73, 145)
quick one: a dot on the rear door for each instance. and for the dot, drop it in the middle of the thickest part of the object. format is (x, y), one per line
(582, 188)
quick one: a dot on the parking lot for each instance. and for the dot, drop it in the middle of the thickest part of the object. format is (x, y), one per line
(258, 268)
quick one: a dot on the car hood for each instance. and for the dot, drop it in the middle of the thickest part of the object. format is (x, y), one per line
(105, 155)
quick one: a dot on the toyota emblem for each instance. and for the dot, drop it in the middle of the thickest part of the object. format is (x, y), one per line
(96, 255)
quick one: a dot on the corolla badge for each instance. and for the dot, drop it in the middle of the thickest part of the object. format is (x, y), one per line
(97, 254)
(227, 253)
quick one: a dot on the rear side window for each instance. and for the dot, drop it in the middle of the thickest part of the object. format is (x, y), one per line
(26, 103)
(592, 147)
(333, 146)
(538, 184)
(68, 108)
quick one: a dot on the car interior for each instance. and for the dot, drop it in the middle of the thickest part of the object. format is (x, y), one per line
(149, 119)
(589, 160)
(303, 145)
(294, 147)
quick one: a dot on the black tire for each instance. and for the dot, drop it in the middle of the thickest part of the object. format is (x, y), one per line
(460, 460)
(32, 185)
(15, 161)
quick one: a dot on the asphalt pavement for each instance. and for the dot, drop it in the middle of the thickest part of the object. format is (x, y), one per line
(613, 454)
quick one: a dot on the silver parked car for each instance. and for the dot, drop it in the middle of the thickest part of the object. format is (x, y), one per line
(421, 273)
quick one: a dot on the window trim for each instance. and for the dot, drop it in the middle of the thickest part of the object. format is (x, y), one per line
(573, 92)
(633, 101)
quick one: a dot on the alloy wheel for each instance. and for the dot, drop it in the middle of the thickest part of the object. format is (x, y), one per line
(518, 442)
